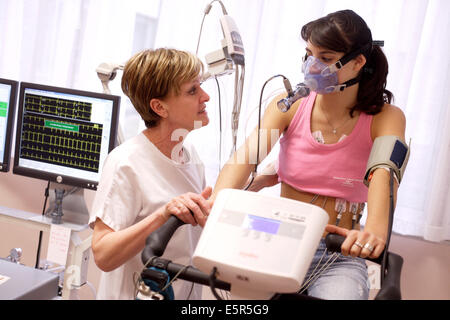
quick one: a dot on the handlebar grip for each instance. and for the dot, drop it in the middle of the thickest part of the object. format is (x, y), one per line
(157, 241)
(334, 242)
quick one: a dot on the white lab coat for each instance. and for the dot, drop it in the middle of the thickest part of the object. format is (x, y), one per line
(136, 180)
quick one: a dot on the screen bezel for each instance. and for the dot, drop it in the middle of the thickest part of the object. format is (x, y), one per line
(50, 176)
(5, 162)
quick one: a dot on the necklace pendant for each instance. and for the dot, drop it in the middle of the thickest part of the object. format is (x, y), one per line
(334, 131)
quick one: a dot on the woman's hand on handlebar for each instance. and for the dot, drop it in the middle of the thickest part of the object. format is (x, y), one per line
(359, 243)
(190, 207)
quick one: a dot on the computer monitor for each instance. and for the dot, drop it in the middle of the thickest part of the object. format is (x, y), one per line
(8, 94)
(64, 135)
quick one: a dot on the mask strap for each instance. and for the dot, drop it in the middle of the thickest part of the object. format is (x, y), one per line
(351, 56)
(348, 57)
(346, 84)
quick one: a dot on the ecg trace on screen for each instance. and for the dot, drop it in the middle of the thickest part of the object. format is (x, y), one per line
(59, 132)
(59, 107)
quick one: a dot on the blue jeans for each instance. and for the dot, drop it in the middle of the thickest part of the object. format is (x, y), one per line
(345, 279)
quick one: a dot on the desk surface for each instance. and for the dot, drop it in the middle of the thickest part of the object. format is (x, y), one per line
(71, 220)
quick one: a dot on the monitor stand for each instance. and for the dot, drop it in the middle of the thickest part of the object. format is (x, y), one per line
(67, 208)
(57, 212)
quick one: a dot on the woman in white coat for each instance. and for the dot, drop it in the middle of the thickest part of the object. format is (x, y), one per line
(152, 175)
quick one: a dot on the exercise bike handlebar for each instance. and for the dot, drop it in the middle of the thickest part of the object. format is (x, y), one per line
(157, 242)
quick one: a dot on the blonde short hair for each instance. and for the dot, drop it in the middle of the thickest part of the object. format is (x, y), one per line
(156, 73)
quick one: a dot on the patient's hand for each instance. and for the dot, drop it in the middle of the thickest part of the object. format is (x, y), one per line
(262, 181)
(359, 243)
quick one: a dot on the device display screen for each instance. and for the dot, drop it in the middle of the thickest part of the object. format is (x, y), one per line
(261, 224)
(83, 130)
(5, 91)
(8, 90)
(64, 133)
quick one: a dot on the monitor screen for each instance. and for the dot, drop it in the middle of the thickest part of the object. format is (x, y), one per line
(8, 90)
(64, 135)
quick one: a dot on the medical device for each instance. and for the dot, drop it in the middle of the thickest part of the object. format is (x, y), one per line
(244, 215)
(301, 90)
(15, 254)
(322, 78)
(64, 135)
(284, 105)
(389, 152)
(20, 282)
(107, 72)
(222, 61)
(259, 244)
(8, 94)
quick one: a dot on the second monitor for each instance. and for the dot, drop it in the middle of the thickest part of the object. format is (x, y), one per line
(64, 135)
(8, 89)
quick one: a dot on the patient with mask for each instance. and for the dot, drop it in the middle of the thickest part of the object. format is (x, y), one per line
(153, 175)
(325, 145)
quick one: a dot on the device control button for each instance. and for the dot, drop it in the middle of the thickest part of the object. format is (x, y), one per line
(294, 217)
(267, 237)
(245, 232)
(256, 234)
(292, 230)
(232, 217)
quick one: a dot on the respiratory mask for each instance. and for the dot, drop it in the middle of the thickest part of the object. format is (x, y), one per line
(318, 76)
(323, 78)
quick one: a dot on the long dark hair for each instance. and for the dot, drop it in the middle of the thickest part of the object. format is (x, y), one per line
(345, 31)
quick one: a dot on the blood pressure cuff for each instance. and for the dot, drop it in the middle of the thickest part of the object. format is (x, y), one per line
(387, 152)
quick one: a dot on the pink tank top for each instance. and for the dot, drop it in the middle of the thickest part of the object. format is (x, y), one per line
(334, 170)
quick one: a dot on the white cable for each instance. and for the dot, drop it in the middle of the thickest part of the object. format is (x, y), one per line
(314, 277)
(270, 96)
(94, 291)
(224, 11)
(235, 113)
(312, 272)
(200, 33)
(138, 280)
(324, 268)
(206, 12)
(238, 88)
